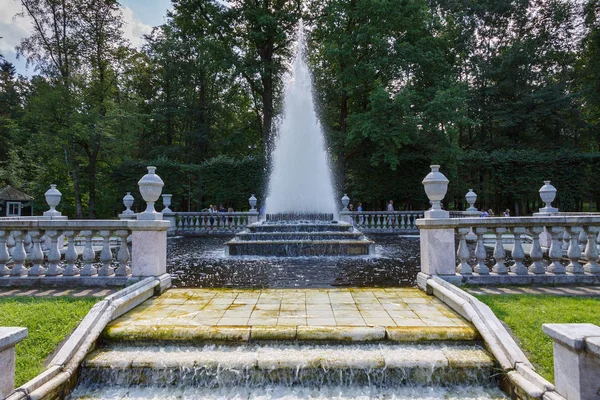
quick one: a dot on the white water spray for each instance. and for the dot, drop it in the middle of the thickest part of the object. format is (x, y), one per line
(301, 179)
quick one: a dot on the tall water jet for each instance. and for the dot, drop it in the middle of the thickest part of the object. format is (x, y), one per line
(301, 212)
(300, 180)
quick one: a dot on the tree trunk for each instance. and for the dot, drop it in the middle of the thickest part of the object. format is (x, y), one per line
(93, 158)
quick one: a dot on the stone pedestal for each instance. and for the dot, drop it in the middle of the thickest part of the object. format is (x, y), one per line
(9, 337)
(438, 254)
(576, 360)
(149, 247)
(169, 216)
(253, 217)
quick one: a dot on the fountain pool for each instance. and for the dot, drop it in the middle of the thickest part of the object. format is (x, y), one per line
(201, 262)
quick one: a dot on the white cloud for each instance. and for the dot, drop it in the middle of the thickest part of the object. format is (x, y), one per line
(133, 27)
(12, 29)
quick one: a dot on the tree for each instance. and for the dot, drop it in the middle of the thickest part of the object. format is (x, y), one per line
(253, 37)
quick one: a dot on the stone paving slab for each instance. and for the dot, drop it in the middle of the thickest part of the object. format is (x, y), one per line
(573, 291)
(289, 314)
(91, 292)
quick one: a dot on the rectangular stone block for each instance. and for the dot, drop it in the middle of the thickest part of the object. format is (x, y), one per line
(438, 254)
(149, 253)
(9, 337)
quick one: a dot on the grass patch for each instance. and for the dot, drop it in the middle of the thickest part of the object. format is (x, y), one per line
(525, 314)
(49, 320)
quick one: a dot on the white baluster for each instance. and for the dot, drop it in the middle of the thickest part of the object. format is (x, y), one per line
(499, 253)
(71, 255)
(53, 254)
(4, 256)
(123, 254)
(582, 240)
(566, 239)
(591, 251)
(180, 223)
(518, 254)
(555, 252)
(10, 243)
(480, 252)
(105, 255)
(574, 252)
(19, 256)
(537, 266)
(88, 255)
(463, 253)
(36, 255)
(27, 243)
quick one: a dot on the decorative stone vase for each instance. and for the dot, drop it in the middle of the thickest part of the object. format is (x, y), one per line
(128, 202)
(53, 197)
(548, 194)
(150, 188)
(252, 201)
(471, 197)
(167, 202)
(345, 202)
(436, 186)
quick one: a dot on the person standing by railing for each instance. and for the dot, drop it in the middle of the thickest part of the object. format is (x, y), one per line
(360, 217)
(390, 208)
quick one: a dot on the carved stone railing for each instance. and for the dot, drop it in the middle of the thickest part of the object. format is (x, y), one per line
(202, 223)
(569, 240)
(92, 251)
(383, 221)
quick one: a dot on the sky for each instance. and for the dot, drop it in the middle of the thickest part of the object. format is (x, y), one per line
(139, 17)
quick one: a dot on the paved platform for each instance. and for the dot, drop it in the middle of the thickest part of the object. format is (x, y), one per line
(572, 291)
(403, 314)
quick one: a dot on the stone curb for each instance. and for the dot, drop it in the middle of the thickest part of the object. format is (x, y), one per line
(243, 333)
(63, 367)
(510, 278)
(526, 383)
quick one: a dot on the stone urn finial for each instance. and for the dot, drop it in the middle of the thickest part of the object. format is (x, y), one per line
(252, 202)
(167, 203)
(548, 194)
(436, 186)
(471, 197)
(345, 202)
(150, 188)
(128, 202)
(53, 197)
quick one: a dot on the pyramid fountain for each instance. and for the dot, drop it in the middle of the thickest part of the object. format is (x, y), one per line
(301, 217)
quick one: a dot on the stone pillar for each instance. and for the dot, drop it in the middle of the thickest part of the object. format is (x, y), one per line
(438, 252)
(576, 360)
(148, 247)
(436, 230)
(9, 337)
(252, 216)
(170, 216)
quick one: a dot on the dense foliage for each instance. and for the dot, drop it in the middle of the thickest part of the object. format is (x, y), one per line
(504, 94)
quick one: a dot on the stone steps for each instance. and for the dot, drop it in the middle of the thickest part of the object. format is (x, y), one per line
(299, 248)
(301, 227)
(290, 393)
(309, 365)
(298, 236)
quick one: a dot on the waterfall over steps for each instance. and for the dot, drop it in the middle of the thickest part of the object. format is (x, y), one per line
(289, 371)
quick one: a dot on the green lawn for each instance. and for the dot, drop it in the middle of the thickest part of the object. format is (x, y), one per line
(525, 314)
(49, 321)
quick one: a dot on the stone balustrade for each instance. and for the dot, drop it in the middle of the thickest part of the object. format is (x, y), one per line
(383, 221)
(201, 223)
(86, 252)
(541, 245)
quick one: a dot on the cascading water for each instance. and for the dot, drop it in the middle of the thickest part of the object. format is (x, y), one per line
(301, 179)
